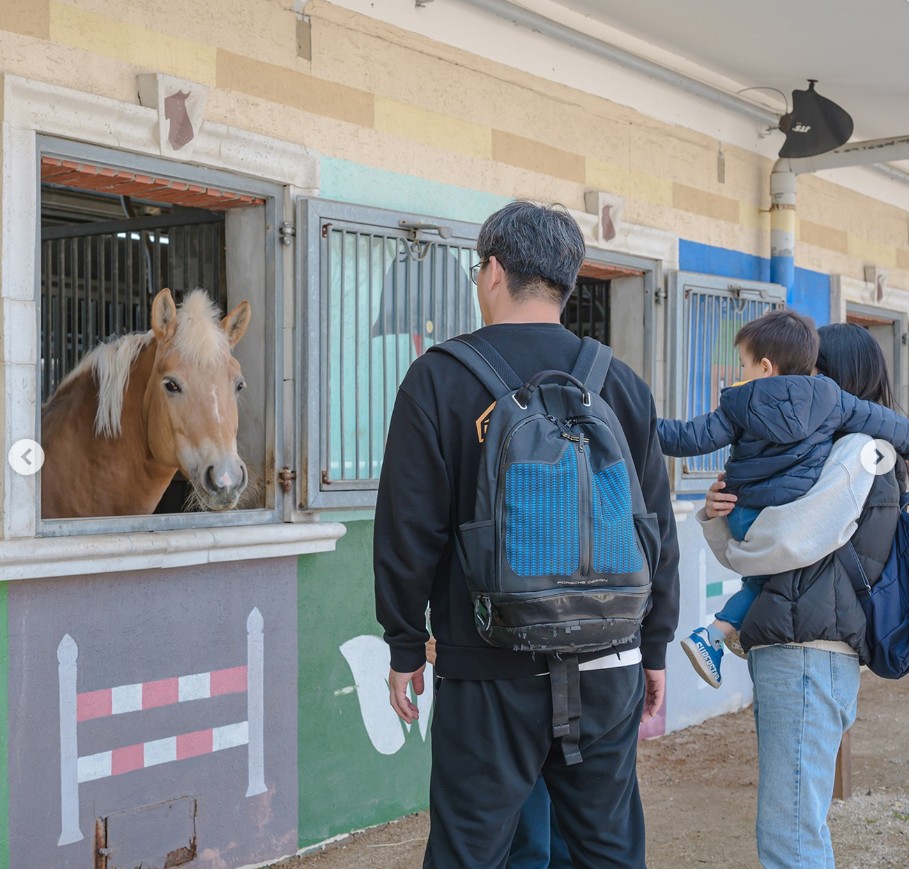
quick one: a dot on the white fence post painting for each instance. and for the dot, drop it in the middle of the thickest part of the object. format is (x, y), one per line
(77, 707)
(255, 702)
(67, 652)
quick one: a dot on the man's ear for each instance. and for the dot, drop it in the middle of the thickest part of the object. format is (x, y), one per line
(497, 276)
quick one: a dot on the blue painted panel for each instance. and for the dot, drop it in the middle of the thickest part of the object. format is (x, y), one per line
(710, 260)
(809, 293)
(345, 181)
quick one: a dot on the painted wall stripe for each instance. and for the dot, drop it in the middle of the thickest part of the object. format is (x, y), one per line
(129, 758)
(161, 751)
(160, 692)
(94, 766)
(723, 588)
(196, 687)
(233, 680)
(230, 735)
(125, 698)
(75, 770)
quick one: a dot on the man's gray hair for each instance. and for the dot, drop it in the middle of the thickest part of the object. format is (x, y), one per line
(534, 244)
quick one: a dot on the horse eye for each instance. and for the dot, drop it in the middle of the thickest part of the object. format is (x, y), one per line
(241, 384)
(172, 386)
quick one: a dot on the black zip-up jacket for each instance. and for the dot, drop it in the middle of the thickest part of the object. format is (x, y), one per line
(428, 487)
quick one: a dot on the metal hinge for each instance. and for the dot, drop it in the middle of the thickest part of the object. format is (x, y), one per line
(286, 478)
(287, 232)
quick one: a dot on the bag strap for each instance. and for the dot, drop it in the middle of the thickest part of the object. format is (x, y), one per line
(849, 561)
(478, 355)
(592, 364)
(565, 684)
(499, 377)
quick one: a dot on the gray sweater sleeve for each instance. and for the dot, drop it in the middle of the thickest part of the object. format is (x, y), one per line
(802, 532)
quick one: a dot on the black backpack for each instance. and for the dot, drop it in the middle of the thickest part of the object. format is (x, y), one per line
(560, 553)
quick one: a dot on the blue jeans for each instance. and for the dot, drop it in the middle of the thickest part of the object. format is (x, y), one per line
(804, 701)
(736, 608)
(538, 843)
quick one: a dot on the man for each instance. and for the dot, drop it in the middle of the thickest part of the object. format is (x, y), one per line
(492, 725)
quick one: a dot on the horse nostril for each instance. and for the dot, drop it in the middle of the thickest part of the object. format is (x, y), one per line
(222, 479)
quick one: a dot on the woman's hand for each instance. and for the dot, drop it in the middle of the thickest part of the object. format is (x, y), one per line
(719, 503)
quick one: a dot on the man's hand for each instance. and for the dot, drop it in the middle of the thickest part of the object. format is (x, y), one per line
(719, 503)
(397, 688)
(654, 692)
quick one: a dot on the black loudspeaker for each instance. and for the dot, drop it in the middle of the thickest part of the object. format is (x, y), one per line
(814, 126)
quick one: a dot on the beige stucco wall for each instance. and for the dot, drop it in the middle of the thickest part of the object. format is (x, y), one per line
(390, 99)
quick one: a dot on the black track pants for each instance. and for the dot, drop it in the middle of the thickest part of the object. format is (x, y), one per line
(491, 739)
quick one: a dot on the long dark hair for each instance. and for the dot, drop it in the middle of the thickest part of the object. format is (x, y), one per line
(851, 356)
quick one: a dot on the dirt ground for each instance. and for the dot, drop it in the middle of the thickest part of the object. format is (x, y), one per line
(699, 788)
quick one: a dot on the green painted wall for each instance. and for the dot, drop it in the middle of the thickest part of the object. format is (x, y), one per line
(345, 782)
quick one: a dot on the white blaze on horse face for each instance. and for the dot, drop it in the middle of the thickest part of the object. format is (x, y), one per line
(214, 404)
(206, 452)
(191, 403)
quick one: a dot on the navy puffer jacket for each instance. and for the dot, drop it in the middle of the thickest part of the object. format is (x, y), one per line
(781, 430)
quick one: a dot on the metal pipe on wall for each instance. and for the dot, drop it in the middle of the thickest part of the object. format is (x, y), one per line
(783, 193)
(509, 11)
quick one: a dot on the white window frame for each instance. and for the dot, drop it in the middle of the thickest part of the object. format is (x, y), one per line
(315, 490)
(281, 170)
(694, 476)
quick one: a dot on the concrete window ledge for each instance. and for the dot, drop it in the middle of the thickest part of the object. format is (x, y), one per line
(107, 553)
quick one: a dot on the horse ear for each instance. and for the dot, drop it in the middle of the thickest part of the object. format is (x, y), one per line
(164, 316)
(236, 322)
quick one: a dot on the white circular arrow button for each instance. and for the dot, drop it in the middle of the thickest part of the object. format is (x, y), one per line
(878, 456)
(26, 457)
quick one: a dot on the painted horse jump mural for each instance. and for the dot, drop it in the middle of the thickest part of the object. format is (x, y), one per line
(138, 409)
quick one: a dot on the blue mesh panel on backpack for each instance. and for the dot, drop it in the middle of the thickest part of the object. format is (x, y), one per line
(541, 517)
(615, 548)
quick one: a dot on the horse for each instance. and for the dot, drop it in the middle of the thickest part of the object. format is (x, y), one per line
(137, 409)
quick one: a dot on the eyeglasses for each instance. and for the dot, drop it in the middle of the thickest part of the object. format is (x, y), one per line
(475, 270)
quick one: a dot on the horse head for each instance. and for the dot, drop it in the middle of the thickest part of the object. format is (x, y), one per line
(190, 401)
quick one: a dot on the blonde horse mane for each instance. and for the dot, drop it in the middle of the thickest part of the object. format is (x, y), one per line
(199, 339)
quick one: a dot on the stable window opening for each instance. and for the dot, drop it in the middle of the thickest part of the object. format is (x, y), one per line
(114, 234)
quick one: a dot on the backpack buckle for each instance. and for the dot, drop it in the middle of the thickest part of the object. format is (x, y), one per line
(514, 395)
(585, 398)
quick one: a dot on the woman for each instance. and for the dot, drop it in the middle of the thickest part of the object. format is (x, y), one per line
(805, 631)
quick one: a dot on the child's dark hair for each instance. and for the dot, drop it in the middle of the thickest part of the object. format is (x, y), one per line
(786, 338)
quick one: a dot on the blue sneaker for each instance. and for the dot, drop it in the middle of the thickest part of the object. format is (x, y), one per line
(704, 656)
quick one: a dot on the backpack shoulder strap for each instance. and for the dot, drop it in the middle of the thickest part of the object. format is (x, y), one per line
(592, 364)
(480, 357)
(848, 558)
